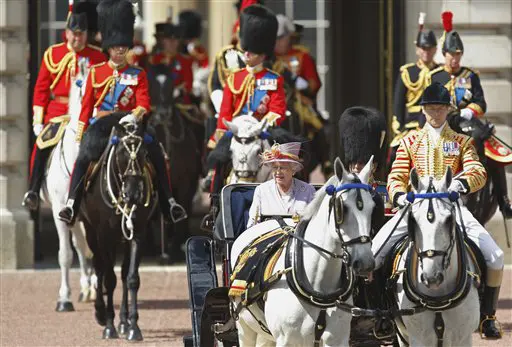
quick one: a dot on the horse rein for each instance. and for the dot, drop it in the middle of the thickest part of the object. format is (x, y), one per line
(430, 253)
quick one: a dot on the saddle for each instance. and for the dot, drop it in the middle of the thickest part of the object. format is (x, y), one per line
(95, 166)
(52, 132)
(254, 273)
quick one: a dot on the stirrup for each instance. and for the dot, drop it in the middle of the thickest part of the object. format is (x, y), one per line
(498, 326)
(178, 213)
(67, 215)
(30, 200)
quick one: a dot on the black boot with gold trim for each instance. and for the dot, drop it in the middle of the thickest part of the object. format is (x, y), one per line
(490, 328)
(31, 197)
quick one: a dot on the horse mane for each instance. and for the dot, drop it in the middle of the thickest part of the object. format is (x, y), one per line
(314, 205)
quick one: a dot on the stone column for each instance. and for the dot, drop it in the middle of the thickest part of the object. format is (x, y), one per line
(221, 17)
(16, 228)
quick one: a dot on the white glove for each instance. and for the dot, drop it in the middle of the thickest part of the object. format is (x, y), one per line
(401, 200)
(466, 113)
(216, 98)
(301, 83)
(457, 186)
(129, 118)
(37, 128)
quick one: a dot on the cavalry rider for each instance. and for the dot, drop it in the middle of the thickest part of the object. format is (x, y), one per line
(191, 26)
(468, 97)
(437, 139)
(254, 90)
(362, 133)
(58, 71)
(410, 84)
(180, 65)
(111, 87)
(305, 80)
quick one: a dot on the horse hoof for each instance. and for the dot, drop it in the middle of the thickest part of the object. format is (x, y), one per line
(110, 333)
(134, 334)
(84, 297)
(123, 328)
(100, 318)
(64, 306)
(92, 295)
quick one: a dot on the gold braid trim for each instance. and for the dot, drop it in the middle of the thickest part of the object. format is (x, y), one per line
(67, 62)
(108, 83)
(38, 115)
(246, 89)
(79, 131)
(414, 89)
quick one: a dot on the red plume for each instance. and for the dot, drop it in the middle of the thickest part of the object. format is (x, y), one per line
(247, 3)
(447, 21)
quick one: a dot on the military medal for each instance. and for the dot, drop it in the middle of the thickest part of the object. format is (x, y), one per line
(451, 148)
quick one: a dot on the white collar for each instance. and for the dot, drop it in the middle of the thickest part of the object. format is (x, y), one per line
(254, 69)
(435, 133)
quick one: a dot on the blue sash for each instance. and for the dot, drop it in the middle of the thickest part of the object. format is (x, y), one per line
(110, 100)
(258, 94)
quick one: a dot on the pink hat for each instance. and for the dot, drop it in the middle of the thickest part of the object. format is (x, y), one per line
(285, 153)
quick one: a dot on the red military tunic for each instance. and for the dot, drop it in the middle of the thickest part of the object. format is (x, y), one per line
(137, 55)
(109, 90)
(181, 68)
(198, 53)
(51, 91)
(245, 92)
(302, 64)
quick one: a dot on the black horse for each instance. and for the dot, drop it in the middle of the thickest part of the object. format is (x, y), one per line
(115, 210)
(180, 128)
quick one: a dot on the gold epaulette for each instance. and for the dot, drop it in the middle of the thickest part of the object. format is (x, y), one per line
(436, 70)
(94, 47)
(301, 48)
(406, 66)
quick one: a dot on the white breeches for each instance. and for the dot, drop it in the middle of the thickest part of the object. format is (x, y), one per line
(476, 232)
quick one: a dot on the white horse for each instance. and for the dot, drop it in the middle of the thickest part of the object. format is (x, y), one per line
(340, 225)
(247, 144)
(55, 192)
(438, 271)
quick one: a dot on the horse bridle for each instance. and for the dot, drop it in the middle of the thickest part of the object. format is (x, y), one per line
(430, 195)
(246, 141)
(336, 203)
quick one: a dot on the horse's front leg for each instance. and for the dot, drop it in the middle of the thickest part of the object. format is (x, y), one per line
(110, 285)
(123, 312)
(337, 329)
(84, 254)
(64, 303)
(133, 283)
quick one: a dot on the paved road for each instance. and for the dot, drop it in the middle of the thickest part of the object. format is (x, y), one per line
(27, 316)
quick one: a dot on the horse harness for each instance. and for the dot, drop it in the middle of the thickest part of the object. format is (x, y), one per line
(425, 302)
(294, 264)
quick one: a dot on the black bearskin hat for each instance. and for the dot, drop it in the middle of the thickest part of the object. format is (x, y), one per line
(83, 16)
(169, 30)
(451, 40)
(190, 23)
(425, 39)
(116, 20)
(159, 28)
(258, 30)
(362, 130)
(435, 93)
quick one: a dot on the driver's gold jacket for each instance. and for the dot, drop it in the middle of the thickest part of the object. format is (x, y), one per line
(418, 150)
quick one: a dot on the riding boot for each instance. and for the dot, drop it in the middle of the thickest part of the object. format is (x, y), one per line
(68, 214)
(31, 198)
(499, 180)
(170, 208)
(488, 327)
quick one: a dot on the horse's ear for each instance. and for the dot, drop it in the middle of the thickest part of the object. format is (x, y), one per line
(231, 126)
(339, 169)
(119, 129)
(415, 179)
(365, 173)
(448, 177)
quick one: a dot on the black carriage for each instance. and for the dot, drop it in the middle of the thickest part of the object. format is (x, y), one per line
(207, 258)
